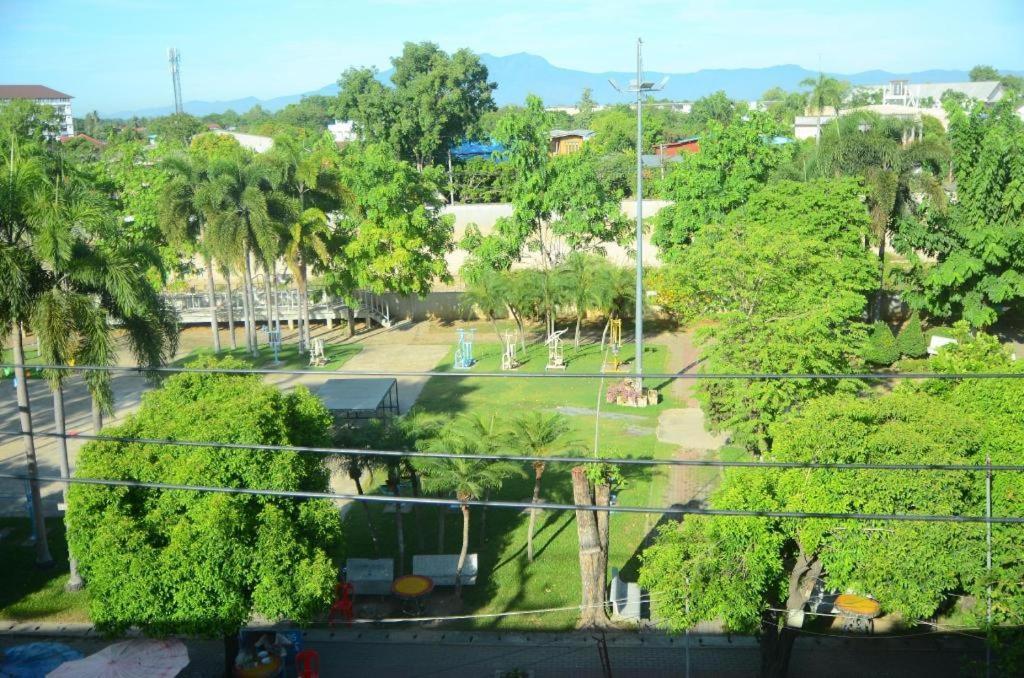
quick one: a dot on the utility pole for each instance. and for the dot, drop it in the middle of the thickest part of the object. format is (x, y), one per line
(988, 565)
(174, 57)
(641, 88)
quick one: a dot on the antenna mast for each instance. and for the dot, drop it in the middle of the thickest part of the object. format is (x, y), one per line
(174, 56)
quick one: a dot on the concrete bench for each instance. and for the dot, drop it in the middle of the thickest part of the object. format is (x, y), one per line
(441, 569)
(370, 577)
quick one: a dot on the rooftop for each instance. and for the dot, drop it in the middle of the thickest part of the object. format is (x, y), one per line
(30, 92)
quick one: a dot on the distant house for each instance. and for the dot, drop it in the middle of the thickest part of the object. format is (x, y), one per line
(468, 150)
(44, 95)
(96, 143)
(687, 145)
(566, 141)
(212, 126)
(343, 131)
(808, 126)
(929, 95)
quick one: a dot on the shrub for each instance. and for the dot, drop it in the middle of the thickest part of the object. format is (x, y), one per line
(911, 341)
(881, 348)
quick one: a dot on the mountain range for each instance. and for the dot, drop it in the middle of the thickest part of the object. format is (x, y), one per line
(520, 74)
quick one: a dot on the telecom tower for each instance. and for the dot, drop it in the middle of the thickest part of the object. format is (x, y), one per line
(174, 56)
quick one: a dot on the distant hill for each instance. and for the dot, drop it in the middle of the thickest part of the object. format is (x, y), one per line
(520, 74)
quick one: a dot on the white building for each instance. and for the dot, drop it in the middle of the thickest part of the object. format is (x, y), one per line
(343, 131)
(254, 142)
(43, 95)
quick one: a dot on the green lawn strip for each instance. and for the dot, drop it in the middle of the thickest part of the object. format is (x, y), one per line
(507, 581)
(29, 593)
(336, 354)
(31, 356)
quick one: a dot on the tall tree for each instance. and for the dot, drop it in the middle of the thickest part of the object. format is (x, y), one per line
(202, 563)
(826, 92)
(435, 102)
(734, 161)
(558, 203)
(580, 277)
(243, 212)
(980, 245)
(467, 478)
(539, 435)
(752, 572)
(762, 278)
(390, 236)
(310, 175)
(901, 170)
(184, 222)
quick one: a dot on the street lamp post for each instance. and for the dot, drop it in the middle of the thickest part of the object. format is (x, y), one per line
(641, 88)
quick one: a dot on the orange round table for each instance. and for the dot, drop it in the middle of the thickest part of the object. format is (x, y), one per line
(412, 588)
(858, 606)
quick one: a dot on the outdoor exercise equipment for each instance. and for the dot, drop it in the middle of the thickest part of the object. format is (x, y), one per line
(510, 359)
(464, 349)
(614, 346)
(274, 339)
(316, 353)
(556, 354)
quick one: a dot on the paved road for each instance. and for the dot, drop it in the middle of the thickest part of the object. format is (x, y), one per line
(433, 654)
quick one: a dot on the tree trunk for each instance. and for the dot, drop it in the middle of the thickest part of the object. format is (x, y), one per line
(245, 306)
(417, 527)
(231, 310)
(602, 497)
(43, 557)
(211, 290)
(74, 579)
(881, 276)
(230, 652)
(370, 527)
(579, 320)
(483, 519)
(97, 415)
(451, 180)
(251, 296)
(399, 528)
(268, 305)
(538, 471)
(497, 332)
(592, 612)
(462, 554)
(778, 638)
(440, 528)
(304, 337)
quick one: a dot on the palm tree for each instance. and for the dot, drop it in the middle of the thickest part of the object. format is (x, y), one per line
(183, 223)
(539, 435)
(614, 292)
(467, 478)
(73, 290)
(825, 91)
(486, 290)
(896, 165)
(243, 212)
(308, 174)
(579, 277)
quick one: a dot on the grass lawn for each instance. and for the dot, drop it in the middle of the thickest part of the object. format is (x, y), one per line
(336, 354)
(506, 580)
(29, 593)
(31, 355)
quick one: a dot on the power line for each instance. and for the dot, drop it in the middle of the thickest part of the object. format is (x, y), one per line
(549, 506)
(623, 461)
(698, 376)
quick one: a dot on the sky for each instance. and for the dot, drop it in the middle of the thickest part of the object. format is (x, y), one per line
(111, 55)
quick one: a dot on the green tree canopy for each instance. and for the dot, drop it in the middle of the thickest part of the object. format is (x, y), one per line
(783, 281)
(390, 236)
(436, 101)
(980, 245)
(734, 161)
(196, 562)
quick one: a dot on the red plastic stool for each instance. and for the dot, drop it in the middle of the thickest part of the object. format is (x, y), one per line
(307, 664)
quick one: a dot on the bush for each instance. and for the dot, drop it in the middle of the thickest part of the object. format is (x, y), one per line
(911, 341)
(881, 348)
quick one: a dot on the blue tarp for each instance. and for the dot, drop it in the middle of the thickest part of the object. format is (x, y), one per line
(35, 660)
(477, 149)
